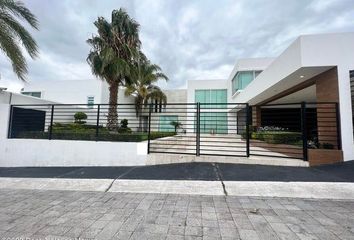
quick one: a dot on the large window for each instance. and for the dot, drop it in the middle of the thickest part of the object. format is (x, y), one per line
(33, 94)
(211, 96)
(242, 79)
(213, 122)
(165, 123)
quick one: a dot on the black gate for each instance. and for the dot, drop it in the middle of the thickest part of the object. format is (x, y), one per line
(200, 129)
(221, 129)
(289, 130)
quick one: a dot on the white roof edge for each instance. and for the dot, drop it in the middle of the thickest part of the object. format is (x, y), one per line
(305, 52)
(219, 79)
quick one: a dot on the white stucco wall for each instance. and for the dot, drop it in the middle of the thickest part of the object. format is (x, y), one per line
(305, 58)
(67, 91)
(335, 50)
(16, 98)
(36, 152)
(280, 67)
(176, 95)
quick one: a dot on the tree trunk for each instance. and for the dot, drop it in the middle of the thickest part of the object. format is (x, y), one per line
(140, 119)
(112, 119)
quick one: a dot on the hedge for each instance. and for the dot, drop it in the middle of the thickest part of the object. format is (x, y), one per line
(90, 134)
(277, 137)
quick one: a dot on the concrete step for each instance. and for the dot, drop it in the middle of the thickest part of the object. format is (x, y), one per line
(167, 158)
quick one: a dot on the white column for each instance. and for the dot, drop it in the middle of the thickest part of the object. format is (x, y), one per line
(346, 112)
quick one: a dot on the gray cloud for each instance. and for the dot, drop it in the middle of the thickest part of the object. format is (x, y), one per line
(188, 39)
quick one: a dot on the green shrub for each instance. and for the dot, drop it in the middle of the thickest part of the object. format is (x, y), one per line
(124, 123)
(326, 145)
(90, 134)
(79, 117)
(75, 127)
(277, 137)
(124, 127)
(155, 135)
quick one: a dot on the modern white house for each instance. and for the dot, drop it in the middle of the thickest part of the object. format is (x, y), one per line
(310, 85)
(314, 68)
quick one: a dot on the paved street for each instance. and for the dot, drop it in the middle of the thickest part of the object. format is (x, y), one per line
(103, 215)
(193, 171)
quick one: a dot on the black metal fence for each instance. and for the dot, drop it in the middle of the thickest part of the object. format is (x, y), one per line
(289, 130)
(281, 130)
(201, 129)
(81, 122)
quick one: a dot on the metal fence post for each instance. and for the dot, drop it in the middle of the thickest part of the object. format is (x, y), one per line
(149, 128)
(247, 130)
(9, 130)
(304, 130)
(98, 120)
(51, 123)
(338, 127)
(197, 139)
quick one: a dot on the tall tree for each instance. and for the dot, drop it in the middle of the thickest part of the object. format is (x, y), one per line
(13, 34)
(142, 87)
(113, 51)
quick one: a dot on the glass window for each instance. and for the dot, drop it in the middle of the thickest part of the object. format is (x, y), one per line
(200, 96)
(211, 96)
(33, 94)
(90, 101)
(165, 123)
(213, 122)
(242, 79)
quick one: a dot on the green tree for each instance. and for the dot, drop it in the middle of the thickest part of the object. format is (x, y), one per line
(142, 88)
(13, 34)
(113, 51)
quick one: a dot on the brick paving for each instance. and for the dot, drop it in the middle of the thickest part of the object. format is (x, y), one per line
(35, 214)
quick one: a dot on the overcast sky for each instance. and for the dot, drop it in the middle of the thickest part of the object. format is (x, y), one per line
(188, 39)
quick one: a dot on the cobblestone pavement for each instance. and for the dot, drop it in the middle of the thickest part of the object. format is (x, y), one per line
(35, 214)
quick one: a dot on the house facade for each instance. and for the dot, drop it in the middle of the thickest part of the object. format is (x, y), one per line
(315, 70)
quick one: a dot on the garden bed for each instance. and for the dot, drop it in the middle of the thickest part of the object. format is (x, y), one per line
(277, 137)
(88, 132)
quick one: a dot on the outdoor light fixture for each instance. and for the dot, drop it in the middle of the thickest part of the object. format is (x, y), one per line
(302, 76)
(2, 89)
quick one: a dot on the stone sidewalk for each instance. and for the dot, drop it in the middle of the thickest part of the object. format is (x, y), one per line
(37, 214)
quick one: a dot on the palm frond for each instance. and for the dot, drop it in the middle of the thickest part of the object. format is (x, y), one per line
(12, 33)
(25, 37)
(11, 49)
(19, 10)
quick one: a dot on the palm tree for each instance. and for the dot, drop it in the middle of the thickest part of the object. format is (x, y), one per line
(176, 125)
(112, 54)
(12, 33)
(142, 85)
